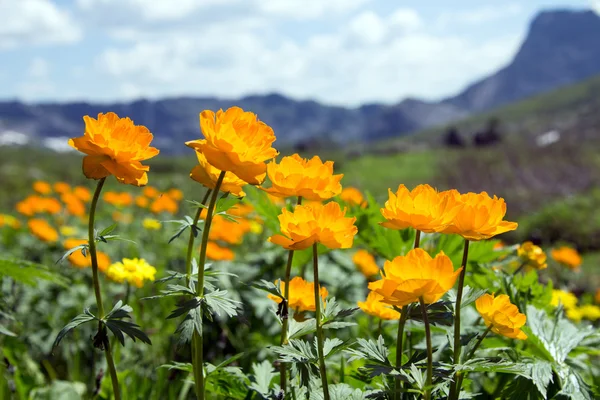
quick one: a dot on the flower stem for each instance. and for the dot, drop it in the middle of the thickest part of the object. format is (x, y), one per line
(429, 351)
(96, 282)
(318, 322)
(460, 377)
(285, 315)
(417, 239)
(399, 350)
(520, 268)
(461, 281)
(197, 345)
(190, 249)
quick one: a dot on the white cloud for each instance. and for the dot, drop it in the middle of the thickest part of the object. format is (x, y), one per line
(38, 68)
(478, 15)
(371, 58)
(35, 22)
(307, 9)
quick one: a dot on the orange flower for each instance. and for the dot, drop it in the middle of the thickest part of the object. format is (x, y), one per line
(567, 256)
(375, 307)
(117, 199)
(175, 194)
(241, 210)
(142, 201)
(278, 201)
(353, 197)
(302, 296)
(229, 231)
(236, 141)
(61, 187)
(407, 278)
(77, 259)
(42, 187)
(42, 230)
(218, 253)
(164, 203)
(115, 146)
(82, 193)
(533, 256)
(9, 220)
(504, 317)
(365, 263)
(151, 192)
(597, 296)
(208, 175)
(480, 217)
(296, 176)
(74, 205)
(317, 223)
(423, 208)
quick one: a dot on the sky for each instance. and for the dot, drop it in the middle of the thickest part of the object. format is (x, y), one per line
(343, 52)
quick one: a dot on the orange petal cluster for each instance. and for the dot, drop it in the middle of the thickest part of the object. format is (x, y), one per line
(208, 176)
(567, 256)
(502, 315)
(302, 297)
(375, 306)
(365, 263)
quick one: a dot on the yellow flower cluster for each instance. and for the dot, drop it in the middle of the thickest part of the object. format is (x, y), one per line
(301, 294)
(132, 270)
(501, 315)
(532, 256)
(572, 310)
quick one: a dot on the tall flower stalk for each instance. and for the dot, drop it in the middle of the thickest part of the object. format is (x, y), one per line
(190, 249)
(429, 378)
(197, 339)
(320, 338)
(454, 387)
(98, 293)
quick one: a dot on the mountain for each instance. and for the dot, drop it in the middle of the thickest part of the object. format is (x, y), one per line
(560, 48)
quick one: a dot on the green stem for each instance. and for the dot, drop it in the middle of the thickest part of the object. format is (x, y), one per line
(461, 281)
(285, 315)
(429, 351)
(96, 282)
(320, 340)
(399, 350)
(197, 345)
(460, 376)
(417, 239)
(190, 249)
(520, 268)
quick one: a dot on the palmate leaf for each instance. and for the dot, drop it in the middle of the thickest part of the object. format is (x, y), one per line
(330, 346)
(219, 303)
(469, 296)
(179, 366)
(298, 329)
(118, 327)
(269, 287)
(184, 224)
(437, 313)
(28, 273)
(185, 307)
(296, 351)
(370, 350)
(262, 375)
(87, 316)
(190, 324)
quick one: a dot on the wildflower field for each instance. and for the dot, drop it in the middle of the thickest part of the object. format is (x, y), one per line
(269, 278)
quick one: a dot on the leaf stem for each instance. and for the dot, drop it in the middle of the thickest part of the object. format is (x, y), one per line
(429, 350)
(97, 292)
(320, 340)
(197, 345)
(190, 249)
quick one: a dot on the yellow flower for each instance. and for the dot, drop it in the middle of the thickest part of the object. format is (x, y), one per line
(151, 192)
(353, 197)
(41, 229)
(236, 141)
(164, 204)
(504, 317)
(567, 299)
(117, 199)
(218, 253)
(302, 297)
(533, 256)
(408, 278)
(480, 217)
(567, 256)
(423, 208)
(68, 230)
(574, 314)
(151, 224)
(142, 201)
(82, 193)
(175, 194)
(309, 224)
(208, 175)
(296, 176)
(61, 187)
(133, 270)
(42, 187)
(365, 263)
(9, 220)
(375, 307)
(590, 311)
(115, 146)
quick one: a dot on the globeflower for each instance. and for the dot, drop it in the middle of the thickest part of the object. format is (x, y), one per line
(236, 141)
(301, 294)
(207, 175)
(117, 199)
(82, 193)
(74, 205)
(133, 270)
(218, 253)
(9, 220)
(567, 299)
(42, 187)
(365, 263)
(480, 217)
(164, 204)
(77, 259)
(310, 224)
(353, 197)
(532, 256)
(503, 317)
(423, 209)
(115, 146)
(175, 194)
(41, 229)
(417, 275)
(150, 192)
(376, 307)
(227, 231)
(141, 201)
(295, 176)
(151, 224)
(567, 256)
(61, 187)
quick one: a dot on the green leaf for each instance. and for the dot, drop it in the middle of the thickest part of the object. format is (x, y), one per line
(119, 311)
(28, 273)
(469, 296)
(6, 332)
(262, 376)
(269, 287)
(118, 327)
(298, 329)
(219, 303)
(179, 366)
(493, 365)
(107, 230)
(370, 350)
(541, 375)
(330, 345)
(75, 322)
(82, 247)
(185, 307)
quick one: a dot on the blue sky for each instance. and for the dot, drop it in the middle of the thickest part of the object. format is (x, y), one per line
(345, 52)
